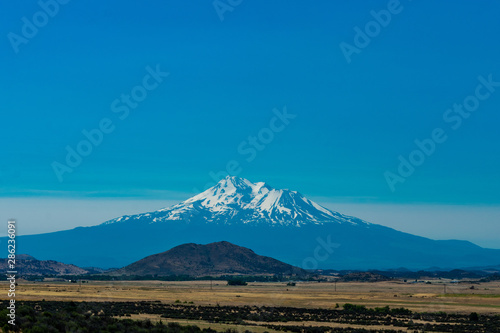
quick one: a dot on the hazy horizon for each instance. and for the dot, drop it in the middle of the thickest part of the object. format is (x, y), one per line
(439, 222)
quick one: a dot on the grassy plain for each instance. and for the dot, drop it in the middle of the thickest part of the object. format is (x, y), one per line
(420, 297)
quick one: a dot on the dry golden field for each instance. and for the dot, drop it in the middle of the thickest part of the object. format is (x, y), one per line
(459, 298)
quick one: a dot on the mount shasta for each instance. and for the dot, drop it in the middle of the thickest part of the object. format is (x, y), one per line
(281, 224)
(238, 201)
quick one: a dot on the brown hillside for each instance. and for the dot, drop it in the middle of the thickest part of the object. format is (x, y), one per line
(27, 265)
(212, 259)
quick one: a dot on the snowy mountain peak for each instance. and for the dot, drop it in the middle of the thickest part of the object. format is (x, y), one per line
(235, 200)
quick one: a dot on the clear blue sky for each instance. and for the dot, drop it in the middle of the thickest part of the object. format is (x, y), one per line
(225, 78)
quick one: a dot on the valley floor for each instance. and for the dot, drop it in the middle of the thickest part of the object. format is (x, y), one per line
(483, 299)
(421, 297)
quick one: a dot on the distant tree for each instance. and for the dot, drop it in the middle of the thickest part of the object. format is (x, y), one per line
(236, 282)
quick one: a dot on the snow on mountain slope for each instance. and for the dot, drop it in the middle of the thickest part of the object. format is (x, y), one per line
(237, 200)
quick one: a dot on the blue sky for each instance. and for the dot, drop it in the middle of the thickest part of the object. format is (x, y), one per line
(352, 120)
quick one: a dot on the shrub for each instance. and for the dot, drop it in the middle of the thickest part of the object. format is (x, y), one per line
(236, 282)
